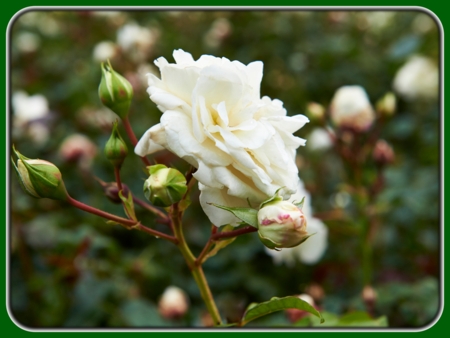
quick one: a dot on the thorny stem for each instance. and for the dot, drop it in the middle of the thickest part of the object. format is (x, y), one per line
(234, 233)
(132, 137)
(196, 270)
(128, 223)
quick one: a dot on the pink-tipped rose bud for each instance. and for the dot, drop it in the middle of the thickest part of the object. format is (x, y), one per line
(383, 153)
(281, 225)
(174, 303)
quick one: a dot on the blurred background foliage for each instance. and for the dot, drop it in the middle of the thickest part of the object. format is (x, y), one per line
(71, 269)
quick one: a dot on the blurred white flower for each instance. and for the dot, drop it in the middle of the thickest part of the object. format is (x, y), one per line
(351, 108)
(102, 118)
(30, 115)
(27, 42)
(174, 303)
(104, 50)
(417, 78)
(29, 108)
(319, 139)
(136, 40)
(78, 148)
(219, 30)
(314, 247)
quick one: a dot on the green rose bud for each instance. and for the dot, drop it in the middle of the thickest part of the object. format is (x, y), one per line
(115, 149)
(281, 224)
(387, 104)
(39, 178)
(115, 91)
(165, 186)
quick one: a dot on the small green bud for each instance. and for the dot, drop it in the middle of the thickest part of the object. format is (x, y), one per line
(387, 104)
(165, 186)
(116, 149)
(39, 178)
(115, 91)
(315, 111)
(281, 224)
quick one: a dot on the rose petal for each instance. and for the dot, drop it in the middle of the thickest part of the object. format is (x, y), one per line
(152, 141)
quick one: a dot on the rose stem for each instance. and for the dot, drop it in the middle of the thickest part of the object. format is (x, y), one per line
(132, 137)
(157, 212)
(123, 221)
(196, 270)
(234, 233)
(205, 250)
(117, 174)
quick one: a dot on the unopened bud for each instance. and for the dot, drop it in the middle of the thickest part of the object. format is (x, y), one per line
(116, 149)
(350, 108)
(39, 178)
(174, 303)
(281, 225)
(115, 91)
(387, 104)
(383, 153)
(315, 111)
(369, 294)
(165, 186)
(111, 190)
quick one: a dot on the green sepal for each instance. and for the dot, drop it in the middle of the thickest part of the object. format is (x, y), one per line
(24, 187)
(247, 215)
(116, 149)
(299, 204)
(256, 310)
(275, 198)
(128, 205)
(154, 168)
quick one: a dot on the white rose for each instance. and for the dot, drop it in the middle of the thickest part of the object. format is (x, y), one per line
(310, 251)
(214, 118)
(417, 78)
(351, 108)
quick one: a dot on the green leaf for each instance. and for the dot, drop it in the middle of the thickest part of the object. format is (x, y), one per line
(248, 215)
(362, 319)
(128, 205)
(277, 304)
(220, 244)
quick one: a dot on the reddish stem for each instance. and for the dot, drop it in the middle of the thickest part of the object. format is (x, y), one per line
(123, 221)
(132, 137)
(205, 250)
(117, 174)
(234, 233)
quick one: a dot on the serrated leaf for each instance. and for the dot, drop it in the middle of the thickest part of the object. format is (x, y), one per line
(219, 245)
(278, 304)
(248, 215)
(128, 205)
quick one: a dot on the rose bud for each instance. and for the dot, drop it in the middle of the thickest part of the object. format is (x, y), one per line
(174, 303)
(368, 294)
(39, 178)
(165, 186)
(387, 104)
(315, 111)
(111, 191)
(116, 149)
(115, 91)
(350, 108)
(281, 225)
(383, 153)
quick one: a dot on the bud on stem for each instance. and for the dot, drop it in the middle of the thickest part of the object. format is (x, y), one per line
(115, 91)
(39, 178)
(116, 149)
